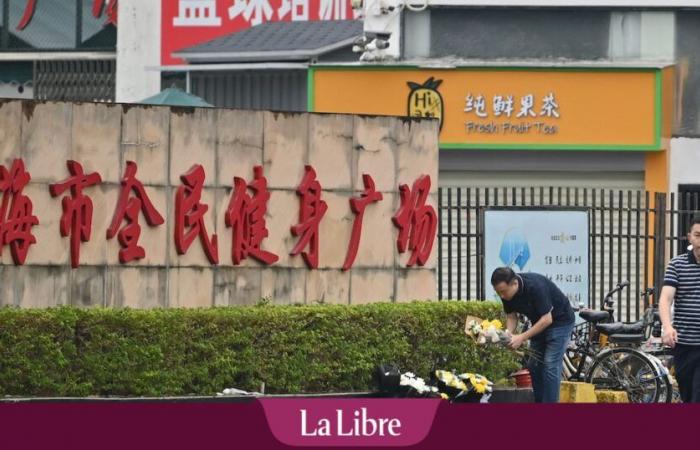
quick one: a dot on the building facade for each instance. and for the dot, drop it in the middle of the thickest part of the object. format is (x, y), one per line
(540, 36)
(58, 50)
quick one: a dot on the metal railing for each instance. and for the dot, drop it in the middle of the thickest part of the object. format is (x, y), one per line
(632, 235)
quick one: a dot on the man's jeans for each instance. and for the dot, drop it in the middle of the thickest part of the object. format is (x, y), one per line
(547, 362)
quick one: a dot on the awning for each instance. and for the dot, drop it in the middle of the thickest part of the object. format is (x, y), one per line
(173, 96)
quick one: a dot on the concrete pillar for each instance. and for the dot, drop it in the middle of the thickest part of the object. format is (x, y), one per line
(138, 47)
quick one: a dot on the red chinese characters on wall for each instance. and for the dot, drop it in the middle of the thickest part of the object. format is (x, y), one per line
(311, 211)
(128, 208)
(76, 220)
(358, 205)
(416, 221)
(189, 215)
(98, 7)
(245, 215)
(16, 218)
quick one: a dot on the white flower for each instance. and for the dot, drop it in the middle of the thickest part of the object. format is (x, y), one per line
(414, 382)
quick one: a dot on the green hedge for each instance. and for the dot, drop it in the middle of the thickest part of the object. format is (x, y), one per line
(292, 349)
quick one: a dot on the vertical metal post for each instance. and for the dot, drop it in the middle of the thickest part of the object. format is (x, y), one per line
(619, 256)
(672, 218)
(470, 214)
(459, 243)
(601, 281)
(659, 238)
(629, 258)
(449, 243)
(5, 36)
(78, 23)
(479, 244)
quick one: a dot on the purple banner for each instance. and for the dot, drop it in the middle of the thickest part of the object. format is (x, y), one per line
(204, 426)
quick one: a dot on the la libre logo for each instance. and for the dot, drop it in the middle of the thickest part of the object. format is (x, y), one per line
(356, 424)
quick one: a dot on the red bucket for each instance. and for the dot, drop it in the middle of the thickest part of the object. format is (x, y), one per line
(522, 378)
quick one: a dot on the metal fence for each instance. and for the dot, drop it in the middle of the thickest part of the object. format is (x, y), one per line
(633, 233)
(75, 80)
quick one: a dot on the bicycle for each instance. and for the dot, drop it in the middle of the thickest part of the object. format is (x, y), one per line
(642, 335)
(602, 353)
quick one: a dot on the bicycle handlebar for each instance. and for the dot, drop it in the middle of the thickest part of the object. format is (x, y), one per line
(609, 301)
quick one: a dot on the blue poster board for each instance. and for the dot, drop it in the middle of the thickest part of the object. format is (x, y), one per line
(552, 242)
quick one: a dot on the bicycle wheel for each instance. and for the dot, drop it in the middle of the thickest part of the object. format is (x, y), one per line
(667, 391)
(629, 370)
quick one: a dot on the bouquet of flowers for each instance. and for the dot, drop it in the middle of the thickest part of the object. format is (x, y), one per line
(391, 381)
(486, 331)
(464, 387)
(414, 386)
(492, 332)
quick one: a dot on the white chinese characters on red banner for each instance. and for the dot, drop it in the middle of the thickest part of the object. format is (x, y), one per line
(186, 23)
(245, 215)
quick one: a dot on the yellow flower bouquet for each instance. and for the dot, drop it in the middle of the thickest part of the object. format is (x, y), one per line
(465, 387)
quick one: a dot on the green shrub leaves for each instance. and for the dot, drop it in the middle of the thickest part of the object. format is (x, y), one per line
(292, 349)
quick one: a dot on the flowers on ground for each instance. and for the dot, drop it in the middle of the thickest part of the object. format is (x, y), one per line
(464, 386)
(445, 384)
(410, 380)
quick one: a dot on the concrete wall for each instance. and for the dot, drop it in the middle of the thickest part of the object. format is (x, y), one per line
(519, 33)
(165, 143)
(684, 160)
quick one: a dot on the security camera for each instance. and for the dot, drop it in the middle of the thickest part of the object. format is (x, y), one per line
(377, 44)
(361, 41)
(383, 35)
(381, 44)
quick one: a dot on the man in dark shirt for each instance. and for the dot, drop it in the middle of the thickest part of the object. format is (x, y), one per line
(552, 320)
